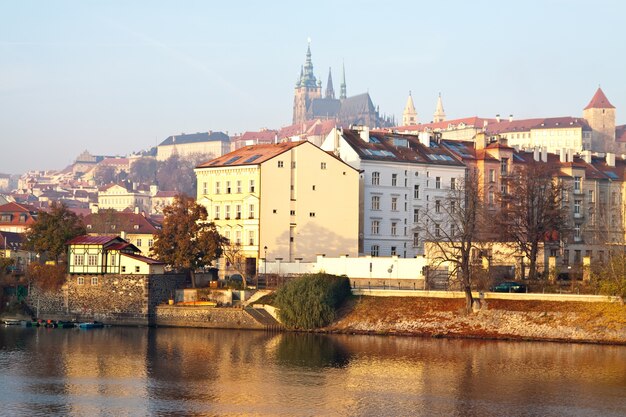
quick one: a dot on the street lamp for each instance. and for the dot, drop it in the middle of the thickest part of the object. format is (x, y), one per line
(265, 263)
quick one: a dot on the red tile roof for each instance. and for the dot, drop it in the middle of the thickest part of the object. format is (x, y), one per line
(469, 122)
(250, 155)
(129, 222)
(599, 101)
(92, 240)
(525, 125)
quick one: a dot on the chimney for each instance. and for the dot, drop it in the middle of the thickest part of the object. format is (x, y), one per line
(544, 153)
(498, 118)
(536, 154)
(610, 159)
(136, 210)
(570, 155)
(587, 156)
(424, 138)
(364, 133)
(480, 141)
(510, 117)
(485, 123)
(563, 155)
(123, 235)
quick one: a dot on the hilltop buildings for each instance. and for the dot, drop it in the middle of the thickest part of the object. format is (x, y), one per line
(207, 143)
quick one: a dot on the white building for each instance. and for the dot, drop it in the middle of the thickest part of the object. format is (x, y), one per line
(401, 176)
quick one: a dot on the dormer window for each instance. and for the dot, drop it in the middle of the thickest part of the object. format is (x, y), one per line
(88, 227)
(112, 227)
(136, 227)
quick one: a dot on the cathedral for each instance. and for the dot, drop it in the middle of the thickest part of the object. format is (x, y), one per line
(308, 103)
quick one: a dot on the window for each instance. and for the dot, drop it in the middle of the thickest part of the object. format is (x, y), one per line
(394, 251)
(416, 240)
(123, 268)
(217, 212)
(251, 186)
(113, 260)
(293, 164)
(251, 211)
(577, 206)
(491, 198)
(238, 211)
(577, 231)
(227, 211)
(591, 197)
(394, 228)
(238, 186)
(204, 188)
(492, 175)
(577, 183)
(375, 202)
(312, 214)
(137, 269)
(227, 187)
(323, 165)
(292, 212)
(416, 191)
(453, 183)
(313, 187)
(394, 180)
(566, 257)
(437, 206)
(437, 230)
(452, 206)
(251, 237)
(150, 243)
(394, 203)
(375, 178)
(227, 234)
(238, 237)
(94, 280)
(138, 242)
(375, 227)
(437, 182)
(504, 162)
(375, 250)
(416, 215)
(503, 189)
(280, 164)
(92, 260)
(217, 187)
(79, 260)
(80, 281)
(577, 255)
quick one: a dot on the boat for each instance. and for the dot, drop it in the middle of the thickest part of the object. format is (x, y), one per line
(91, 325)
(66, 324)
(12, 322)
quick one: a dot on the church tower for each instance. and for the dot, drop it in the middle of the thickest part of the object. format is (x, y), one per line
(342, 92)
(330, 91)
(307, 89)
(409, 115)
(600, 114)
(439, 115)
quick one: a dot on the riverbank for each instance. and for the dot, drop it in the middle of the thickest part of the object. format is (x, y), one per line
(498, 319)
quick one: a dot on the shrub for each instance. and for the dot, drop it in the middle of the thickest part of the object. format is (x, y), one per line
(311, 301)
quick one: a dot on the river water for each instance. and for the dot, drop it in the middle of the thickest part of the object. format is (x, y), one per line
(122, 371)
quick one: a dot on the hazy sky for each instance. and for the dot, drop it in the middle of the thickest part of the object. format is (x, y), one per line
(118, 76)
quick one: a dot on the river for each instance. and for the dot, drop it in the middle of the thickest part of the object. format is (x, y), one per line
(125, 371)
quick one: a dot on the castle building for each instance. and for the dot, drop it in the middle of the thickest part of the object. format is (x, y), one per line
(600, 115)
(308, 103)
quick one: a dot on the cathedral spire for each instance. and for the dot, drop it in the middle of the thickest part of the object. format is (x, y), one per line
(342, 91)
(330, 91)
(409, 115)
(308, 78)
(439, 115)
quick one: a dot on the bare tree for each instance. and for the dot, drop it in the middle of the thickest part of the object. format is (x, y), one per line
(236, 258)
(531, 208)
(453, 227)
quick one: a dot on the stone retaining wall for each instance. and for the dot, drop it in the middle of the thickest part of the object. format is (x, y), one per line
(208, 317)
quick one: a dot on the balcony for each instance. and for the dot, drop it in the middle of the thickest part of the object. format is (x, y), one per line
(578, 215)
(577, 191)
(578, 239)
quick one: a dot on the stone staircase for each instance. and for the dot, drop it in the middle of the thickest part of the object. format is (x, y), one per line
(264, 318)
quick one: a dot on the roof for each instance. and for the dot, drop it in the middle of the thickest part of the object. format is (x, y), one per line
(114, 161)
(131, 223)
(466, 122)
(195, 137)
(250, 155)
(525, 125)
(92, 240)
(324, 107)
(599, 101)
(355, 105)
(265, 135)
(17, 208)
(385, 146)
(145, 259)
(12, 240)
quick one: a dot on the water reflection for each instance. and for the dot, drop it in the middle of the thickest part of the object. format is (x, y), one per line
(139, 371)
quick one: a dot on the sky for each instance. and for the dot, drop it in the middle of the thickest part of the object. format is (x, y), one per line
(113, 77)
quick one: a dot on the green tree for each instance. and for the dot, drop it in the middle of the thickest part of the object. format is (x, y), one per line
(187, 241)
(52, 230)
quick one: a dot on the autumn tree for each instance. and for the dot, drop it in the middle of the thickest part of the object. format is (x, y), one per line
(531, 209)
(452, 229)
(187, 241)
(52, 230)
(236, 258)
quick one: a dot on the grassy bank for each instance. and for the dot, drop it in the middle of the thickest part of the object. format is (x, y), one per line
(498, 319)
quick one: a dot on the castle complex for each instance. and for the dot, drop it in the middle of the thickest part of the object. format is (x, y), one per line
(308, 103)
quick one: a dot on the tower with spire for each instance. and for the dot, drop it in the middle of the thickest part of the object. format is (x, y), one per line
(409, 115)
(600, 115)
(330, 91)
(342, 92)
(308, 88)
(439, 115)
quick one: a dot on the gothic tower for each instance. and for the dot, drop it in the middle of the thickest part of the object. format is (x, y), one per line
(439, 115)
(307, 88)
(409, 115)
(330, 91)
(342, 92)
(600, 114)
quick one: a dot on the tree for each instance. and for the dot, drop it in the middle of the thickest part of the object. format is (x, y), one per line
(187, 241)
(531, 209)
(143, 170)
(610, 276)
(236, 258)
(177, 173)
(453, 227)
(52, 230)
(104, 174)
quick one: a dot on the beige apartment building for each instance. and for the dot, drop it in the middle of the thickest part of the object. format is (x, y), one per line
(289, 201)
